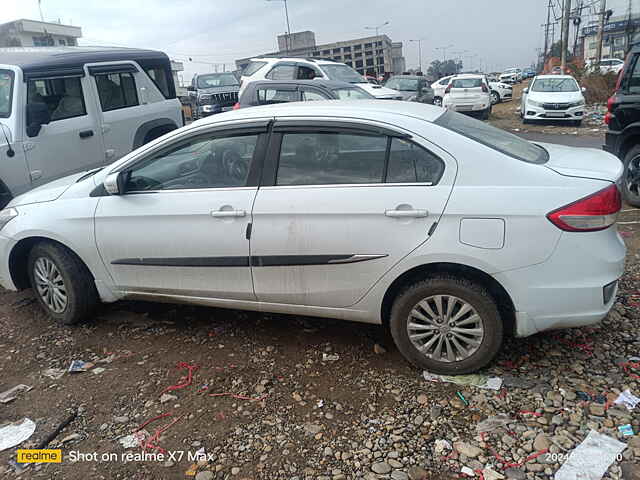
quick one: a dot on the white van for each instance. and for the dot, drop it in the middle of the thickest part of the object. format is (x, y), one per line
(70, 109)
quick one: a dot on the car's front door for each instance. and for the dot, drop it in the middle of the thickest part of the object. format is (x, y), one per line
(72, 141)
(338, 207)
(180, 228)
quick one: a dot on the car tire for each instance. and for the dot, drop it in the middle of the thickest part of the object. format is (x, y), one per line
(485, 114)
(495, 98)
(437, 101)
(577, 123)
(631, 177)
(62, 284)
(464, 294)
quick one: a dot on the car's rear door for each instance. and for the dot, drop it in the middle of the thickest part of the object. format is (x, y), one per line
(338, 206)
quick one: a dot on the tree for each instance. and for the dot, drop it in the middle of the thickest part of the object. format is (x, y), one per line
(556, 48)
(439, 69)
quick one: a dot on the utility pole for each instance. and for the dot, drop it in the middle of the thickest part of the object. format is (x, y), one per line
(419, 53)
(603, 13)
(286, 14)
(564, 43)
(40, 9)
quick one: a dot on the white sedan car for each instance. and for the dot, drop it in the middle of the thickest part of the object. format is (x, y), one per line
(553, 97)
(450, 231)
(500, 92)
(469, 94)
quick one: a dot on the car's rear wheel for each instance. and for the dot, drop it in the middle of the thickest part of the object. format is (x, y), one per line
(631, 177)
(446, 325)
(62, 284)
(437, 101)
(495, 98)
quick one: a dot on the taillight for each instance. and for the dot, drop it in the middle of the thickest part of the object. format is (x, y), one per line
(484, 88)
(589, 214)
(448, 89)
(236, 106)
(609, 115)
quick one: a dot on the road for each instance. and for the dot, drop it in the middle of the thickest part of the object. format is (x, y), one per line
(569, 140)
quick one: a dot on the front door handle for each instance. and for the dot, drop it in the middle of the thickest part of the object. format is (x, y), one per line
(86, 133)
(228, 213)
(406, 213)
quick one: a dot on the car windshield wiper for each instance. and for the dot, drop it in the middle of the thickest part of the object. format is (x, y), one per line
(90, 173)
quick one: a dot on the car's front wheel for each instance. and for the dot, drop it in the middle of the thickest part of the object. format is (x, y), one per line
(631, 177)
(495, 98)
(446, 325)
(62, 284)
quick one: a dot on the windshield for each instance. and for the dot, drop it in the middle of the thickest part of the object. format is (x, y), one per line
(217, 80)
(466, 83)
(343, 73)
(252, 67)
(403, 84)
(352, 94)
(555, 85)
(493, 137)
(6, 92)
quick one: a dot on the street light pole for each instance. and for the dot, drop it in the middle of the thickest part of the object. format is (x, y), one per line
(419, 53)
(286, 14)
(375, 61)
(444, 51)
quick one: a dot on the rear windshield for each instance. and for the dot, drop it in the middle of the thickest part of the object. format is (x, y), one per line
(217, 80)
(403, 84)
(342, 73)
(252, 67)
(554, 85)
(352, 94)
(466, 83)
(6, 92)
(492, 137)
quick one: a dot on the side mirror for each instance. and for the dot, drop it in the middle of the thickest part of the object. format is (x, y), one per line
(526, 90)
(191, 88)
(114, 183)
(37, 115)
(583, 89)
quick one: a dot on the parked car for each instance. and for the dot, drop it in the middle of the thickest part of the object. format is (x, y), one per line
(438, 87)
(378, 212)
(413, 88)
(266, 92)
(213, 93)
(511, 75)
(553, 97)
(500, 92)
(372, 80)
(557, 70)
(69, 109)
(606, 65)
(623, 120)
(528, 73)
(469, 94)
(274, 68)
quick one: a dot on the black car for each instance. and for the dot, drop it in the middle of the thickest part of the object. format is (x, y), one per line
(213, 93)
(266, 92)
(623, 137)
(413, 88)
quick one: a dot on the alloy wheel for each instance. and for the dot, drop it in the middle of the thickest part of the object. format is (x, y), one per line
(50, 285)
(445, 328)
(632, 177)
(495, 98)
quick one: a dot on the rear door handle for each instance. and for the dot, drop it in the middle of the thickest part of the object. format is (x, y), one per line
(406, 213)
(228, 213)
(86, 133)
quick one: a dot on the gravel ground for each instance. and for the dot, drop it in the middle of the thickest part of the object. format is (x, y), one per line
(314, 399)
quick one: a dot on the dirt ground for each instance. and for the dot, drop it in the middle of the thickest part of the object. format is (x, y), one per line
(506, 115)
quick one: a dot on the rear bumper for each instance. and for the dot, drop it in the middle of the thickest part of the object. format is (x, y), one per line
(575, 287)
(466, 107)
(612, 143)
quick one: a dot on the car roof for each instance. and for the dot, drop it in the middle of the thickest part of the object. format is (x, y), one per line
(71, 60)
(376, 110)
(554, 76)
(294, 59)
(418, 77)
(320, 82)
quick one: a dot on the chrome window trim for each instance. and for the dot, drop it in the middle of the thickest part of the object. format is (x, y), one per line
(349, 185)
(188, 190)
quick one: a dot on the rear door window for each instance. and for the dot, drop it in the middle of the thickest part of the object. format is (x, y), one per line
(116, 90)
(410, 163)
(313, 95)
(282, 72)
(267, 96)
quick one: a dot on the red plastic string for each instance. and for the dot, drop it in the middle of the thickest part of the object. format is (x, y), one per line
(187, 382)
(152, 420)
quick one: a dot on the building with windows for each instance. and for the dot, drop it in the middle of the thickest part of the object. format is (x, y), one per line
(619, 34)
(368, 55)
(33, 33)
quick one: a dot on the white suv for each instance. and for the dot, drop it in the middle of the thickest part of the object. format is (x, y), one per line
(452, 232)
(69, 109)
(511, 75)
(270, 68)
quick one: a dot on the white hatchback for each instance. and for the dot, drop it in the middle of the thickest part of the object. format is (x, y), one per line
(469, 94)
(553, 97)
(450, 231)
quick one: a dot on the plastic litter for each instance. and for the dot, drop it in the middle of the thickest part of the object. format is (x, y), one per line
(136, 439)
(330, 358)
(590, 459)
(187, 381)
(98, 370)
(467, 471)
(78, 366)
(474, 380)
(627, 399)
(494, 422)
(15, 433)
(12, 393)
(54, 373)
(464, 400)
(626, 430)
(442, 445)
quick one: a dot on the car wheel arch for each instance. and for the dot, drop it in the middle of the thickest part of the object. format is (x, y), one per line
(144, 131)
(631, 139)
(18, 259)
(420, 272)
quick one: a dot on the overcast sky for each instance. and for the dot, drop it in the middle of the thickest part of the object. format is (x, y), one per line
(499, 34)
